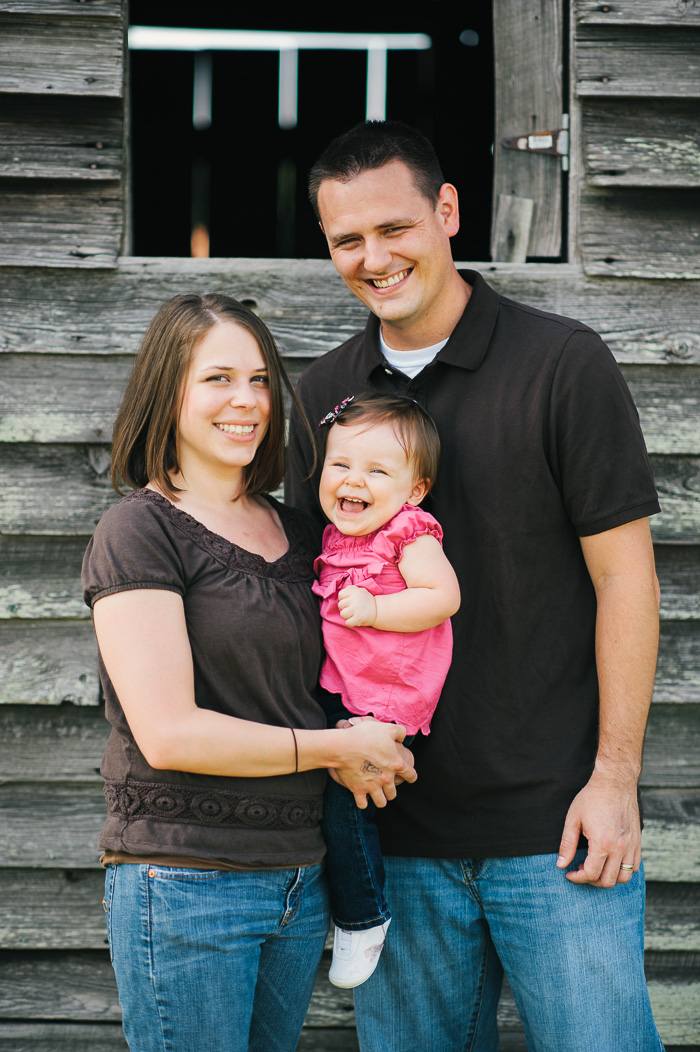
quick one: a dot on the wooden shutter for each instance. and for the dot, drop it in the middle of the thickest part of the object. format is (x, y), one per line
(527, 184)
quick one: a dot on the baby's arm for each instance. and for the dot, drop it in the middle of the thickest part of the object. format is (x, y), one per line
(430, 597)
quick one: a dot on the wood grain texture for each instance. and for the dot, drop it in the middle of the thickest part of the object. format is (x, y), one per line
(62, 743)
(86, 392)
(637, 12)
(78, 479)
(80, 987)
(653, 61)
(63, 1037)
(85, 396)
(310, 310)
(641, 233)
(678, 484)
(641, 142)
(64, 138)
(61, 55)
(40, 577)
(48, 663)
(528, 98)
(672, 747)
(58, 909)
(59, 223)
(67, 820)
(82, 9)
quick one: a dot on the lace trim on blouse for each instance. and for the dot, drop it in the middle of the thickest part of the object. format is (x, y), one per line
(163, 802)
(296, 565)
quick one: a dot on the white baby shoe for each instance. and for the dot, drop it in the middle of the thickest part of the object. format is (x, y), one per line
(356, 955)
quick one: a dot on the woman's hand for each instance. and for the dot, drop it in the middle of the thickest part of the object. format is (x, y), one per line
(373, 760)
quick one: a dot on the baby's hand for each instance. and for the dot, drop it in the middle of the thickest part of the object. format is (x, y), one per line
(357, 607)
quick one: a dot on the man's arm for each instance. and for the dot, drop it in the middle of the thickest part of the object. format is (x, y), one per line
(621, 564)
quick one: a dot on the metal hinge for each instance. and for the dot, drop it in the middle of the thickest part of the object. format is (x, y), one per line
(555, 142)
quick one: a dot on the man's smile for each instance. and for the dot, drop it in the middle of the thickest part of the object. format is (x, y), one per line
(390, 282)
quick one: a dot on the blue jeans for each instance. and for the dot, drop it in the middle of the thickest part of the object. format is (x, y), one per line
(222, 961)
(573, 956)
(354, 861)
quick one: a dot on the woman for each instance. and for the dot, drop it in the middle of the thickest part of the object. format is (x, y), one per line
(209, 640)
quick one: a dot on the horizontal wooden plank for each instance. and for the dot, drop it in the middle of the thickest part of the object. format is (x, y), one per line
(62, 1037)
(40, 577)
(64, 138)
(310, 310)
(678, 669)
(61, 55)
(107, 1037)
(641, 233)
(48, 663)
(85, 394)
(668, 401)
(57, 223)
(671, 837)
(678, 569)
(63, 743)
(81, 987)
(53, 909)
(81, 9)
(49, 743)
(77, 477)
(672, 747)
(57, 826)
(678, 484)
(641, 142)
(672, 918)
(56, 909)
(654, 61)
(637, 12)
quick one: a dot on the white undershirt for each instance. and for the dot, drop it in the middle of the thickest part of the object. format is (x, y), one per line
(410, 362)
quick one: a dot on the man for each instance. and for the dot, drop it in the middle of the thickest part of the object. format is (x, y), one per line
(519, 847)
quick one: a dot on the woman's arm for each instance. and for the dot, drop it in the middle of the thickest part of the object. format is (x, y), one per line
(430, 597)
(144, 644)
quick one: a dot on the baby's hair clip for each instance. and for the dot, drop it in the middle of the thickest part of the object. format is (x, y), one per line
(330, 418)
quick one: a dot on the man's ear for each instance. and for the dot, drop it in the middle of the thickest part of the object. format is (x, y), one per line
(448, 208)
(418, 492)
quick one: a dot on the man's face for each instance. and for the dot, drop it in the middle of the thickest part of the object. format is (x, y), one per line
(390, 245)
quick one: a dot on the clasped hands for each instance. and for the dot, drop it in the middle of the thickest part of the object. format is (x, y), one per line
(375, 761)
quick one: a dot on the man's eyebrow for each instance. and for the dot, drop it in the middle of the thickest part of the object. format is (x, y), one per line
(386, 225)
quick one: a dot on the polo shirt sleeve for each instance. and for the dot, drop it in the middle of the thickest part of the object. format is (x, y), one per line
(130, 549)
(599, 457)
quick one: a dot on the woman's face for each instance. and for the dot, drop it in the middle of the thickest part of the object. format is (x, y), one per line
(226, 403)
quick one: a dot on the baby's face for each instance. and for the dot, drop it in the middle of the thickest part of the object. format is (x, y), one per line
(367, 478)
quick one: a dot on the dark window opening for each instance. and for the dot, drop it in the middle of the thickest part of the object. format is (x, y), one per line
(238, 186)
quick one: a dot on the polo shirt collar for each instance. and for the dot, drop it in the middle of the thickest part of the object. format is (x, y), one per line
(469, 342)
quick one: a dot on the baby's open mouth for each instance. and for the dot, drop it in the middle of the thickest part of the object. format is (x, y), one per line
(351, 505)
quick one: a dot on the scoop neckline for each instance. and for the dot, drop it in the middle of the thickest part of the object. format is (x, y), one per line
(218, 541)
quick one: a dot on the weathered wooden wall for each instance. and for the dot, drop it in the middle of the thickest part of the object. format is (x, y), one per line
(70, 321)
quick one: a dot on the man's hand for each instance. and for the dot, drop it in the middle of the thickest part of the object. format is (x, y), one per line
(607, 813)
(357, 607)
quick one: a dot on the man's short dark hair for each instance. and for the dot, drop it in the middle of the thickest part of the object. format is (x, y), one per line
(372, 144)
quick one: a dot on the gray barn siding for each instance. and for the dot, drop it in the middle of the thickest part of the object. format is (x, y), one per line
(72, 312)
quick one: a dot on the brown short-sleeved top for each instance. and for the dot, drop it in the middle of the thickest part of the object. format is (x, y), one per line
(254, 629)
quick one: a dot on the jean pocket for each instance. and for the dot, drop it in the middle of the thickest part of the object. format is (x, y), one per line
(180, 874)
(107, 905)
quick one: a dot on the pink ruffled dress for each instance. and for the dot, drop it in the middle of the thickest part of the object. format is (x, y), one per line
(394, 676)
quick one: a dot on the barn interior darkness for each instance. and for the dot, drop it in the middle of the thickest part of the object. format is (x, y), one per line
(243, 179)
